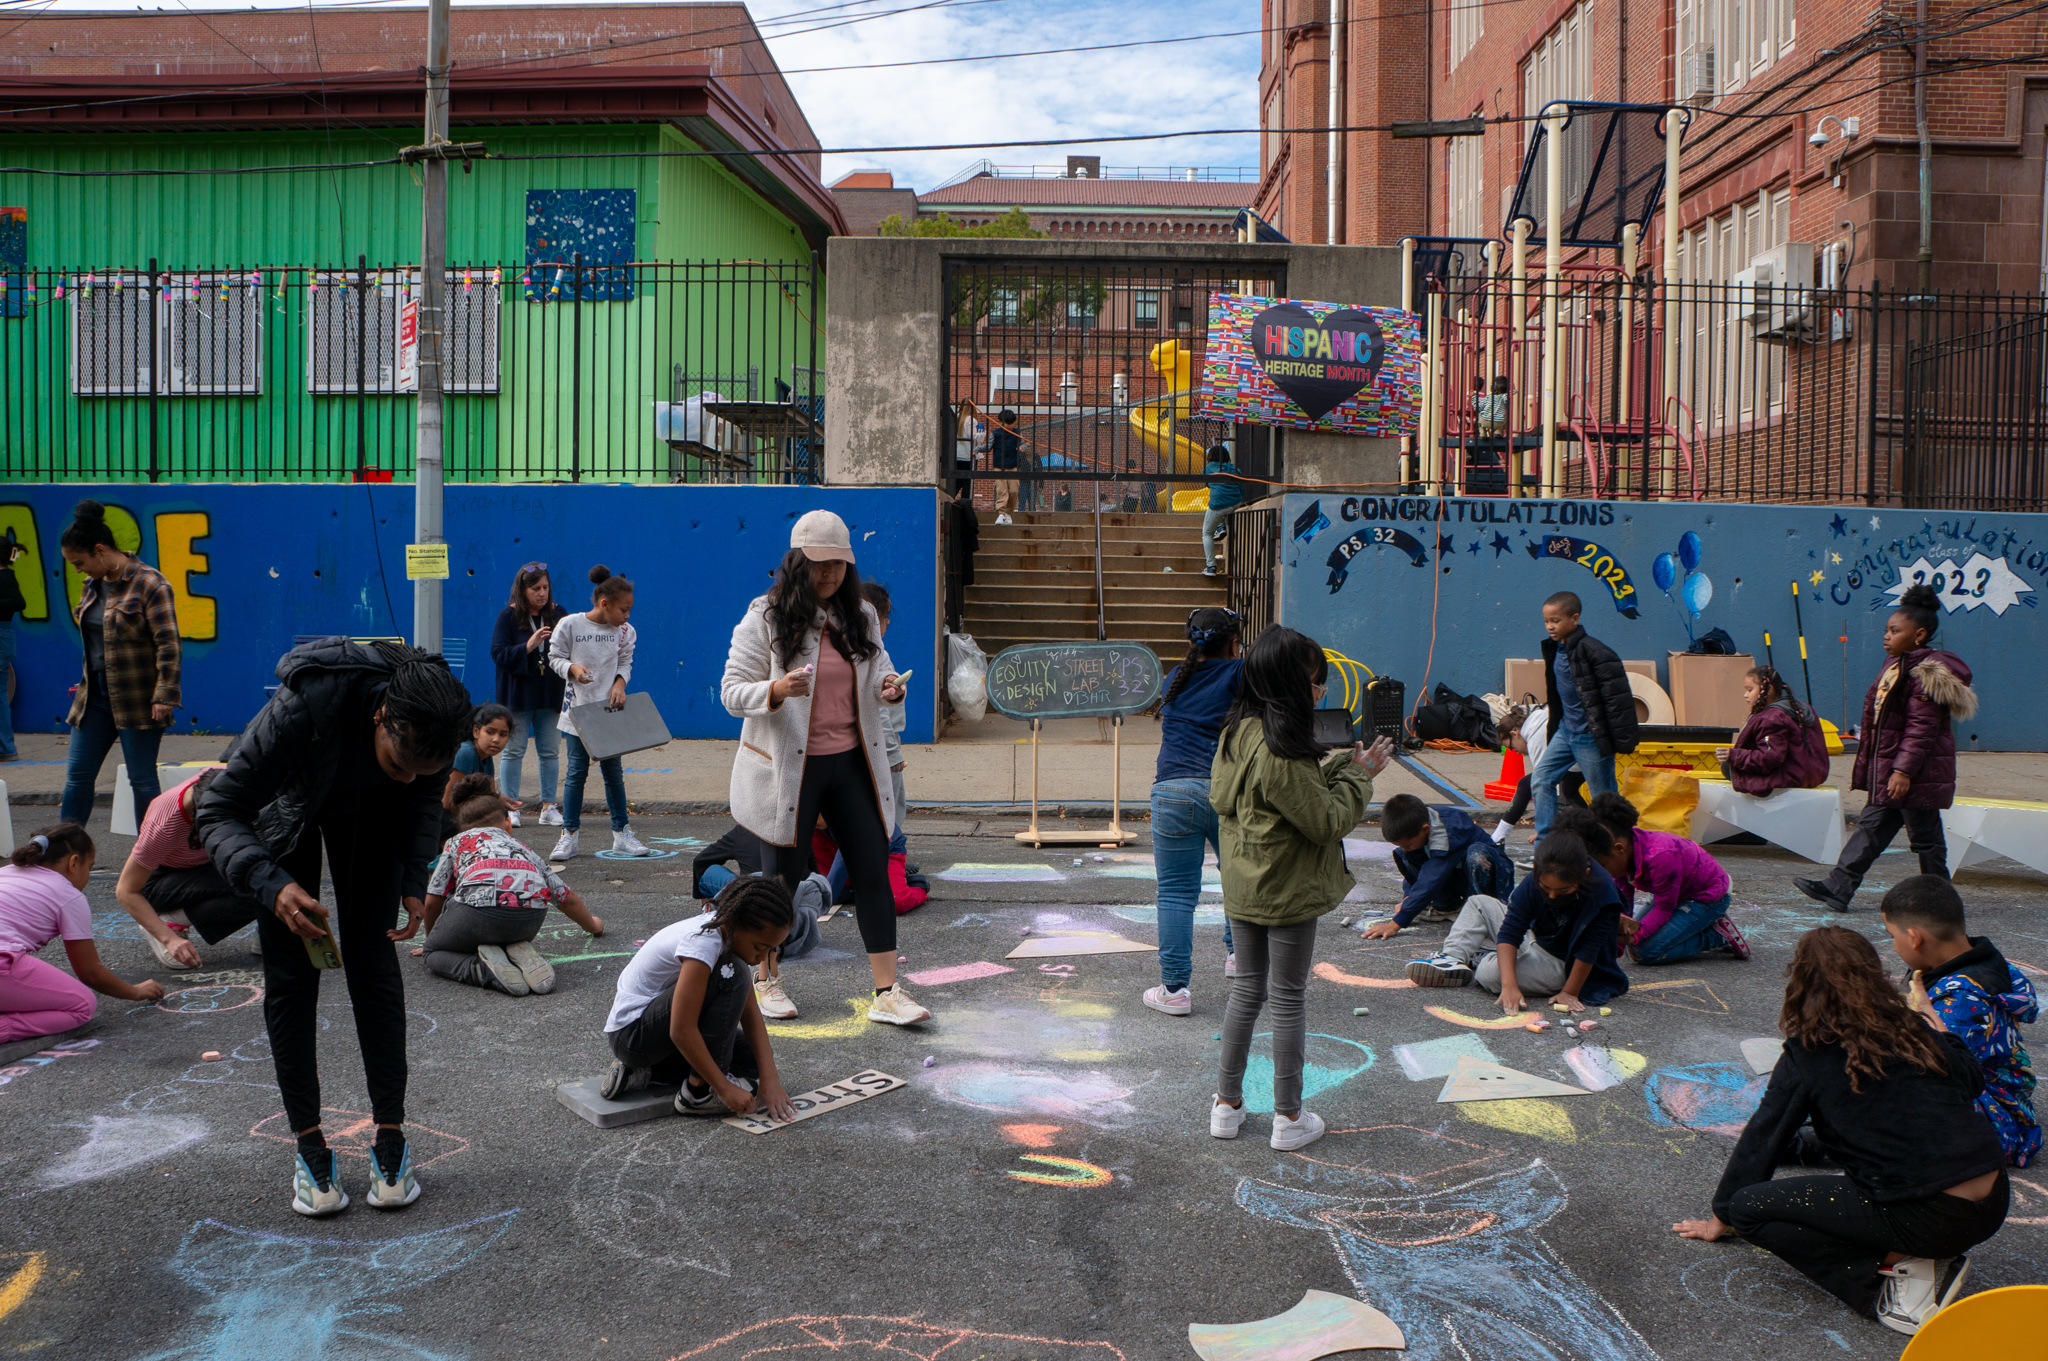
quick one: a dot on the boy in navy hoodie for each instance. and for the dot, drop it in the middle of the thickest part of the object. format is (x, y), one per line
(1963, 985)
(1443, 858)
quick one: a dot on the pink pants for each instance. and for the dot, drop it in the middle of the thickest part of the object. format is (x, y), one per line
(36, 999)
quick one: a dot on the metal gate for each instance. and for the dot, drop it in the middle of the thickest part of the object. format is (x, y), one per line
(1071, 374)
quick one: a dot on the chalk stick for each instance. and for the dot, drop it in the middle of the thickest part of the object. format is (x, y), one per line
(929, 1060)
(1358, 1011)
(1589, 1025)
(1559, 1006)
(1607, 1011)
(210, 1056)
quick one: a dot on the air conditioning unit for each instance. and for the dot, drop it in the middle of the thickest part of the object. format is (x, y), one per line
(1749, 298)
(1696, 76)
(1786, 273)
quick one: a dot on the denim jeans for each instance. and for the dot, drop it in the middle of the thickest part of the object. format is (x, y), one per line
(541, 725)
(1211, 518)
(1565, 750)
(579, 774)
(839, 875)
(6, 710)
(1689, 931)
(1182, 824)
(91, 740)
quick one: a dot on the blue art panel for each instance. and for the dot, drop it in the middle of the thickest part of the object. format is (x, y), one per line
(598, 225)
(1387, 579)
(13, 261)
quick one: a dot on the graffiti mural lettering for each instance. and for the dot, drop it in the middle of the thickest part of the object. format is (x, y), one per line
(1603, 564)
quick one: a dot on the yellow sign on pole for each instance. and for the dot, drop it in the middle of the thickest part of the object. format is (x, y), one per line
(426, 561)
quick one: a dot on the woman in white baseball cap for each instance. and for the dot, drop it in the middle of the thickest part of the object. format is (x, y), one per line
(808, 673)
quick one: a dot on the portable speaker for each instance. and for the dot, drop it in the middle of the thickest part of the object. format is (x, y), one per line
(1386, 707)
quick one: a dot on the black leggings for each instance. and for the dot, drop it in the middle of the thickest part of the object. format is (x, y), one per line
(646, 1040)
(1837, 1236)
(363, 829)
(842, 789)
(1567, 793)
(205, 899)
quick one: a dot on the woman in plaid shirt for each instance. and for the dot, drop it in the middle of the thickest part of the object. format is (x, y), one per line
(128, 620)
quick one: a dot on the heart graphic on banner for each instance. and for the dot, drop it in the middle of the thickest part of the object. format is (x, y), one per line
(1321, 382)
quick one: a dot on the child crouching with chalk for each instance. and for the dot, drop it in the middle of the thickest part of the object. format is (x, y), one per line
(685, 1011)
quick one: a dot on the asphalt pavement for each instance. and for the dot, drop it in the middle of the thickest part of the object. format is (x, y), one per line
(1044, 1187)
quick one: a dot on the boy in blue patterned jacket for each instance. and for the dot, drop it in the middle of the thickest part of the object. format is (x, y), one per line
(1964, 986)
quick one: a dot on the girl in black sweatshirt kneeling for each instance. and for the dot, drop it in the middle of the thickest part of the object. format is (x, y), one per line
(1890, 1100)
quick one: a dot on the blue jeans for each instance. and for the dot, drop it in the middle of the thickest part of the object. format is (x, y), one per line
(579, 773)
(1210, 519)
(91, 740)
(1182, 824)
(541, 724)
(6, 711)
(1567, 749)
(1689, 932)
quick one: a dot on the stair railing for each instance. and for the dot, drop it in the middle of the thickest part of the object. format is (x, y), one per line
(1101, 617)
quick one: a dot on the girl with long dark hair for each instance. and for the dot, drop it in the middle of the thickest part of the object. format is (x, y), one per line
(1283, 806)
(1890, 1101)
(528, 686)
(808, 675)
(1199, 693)
(1781, 746)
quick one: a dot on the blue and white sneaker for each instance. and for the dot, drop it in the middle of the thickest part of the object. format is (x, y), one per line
(1439, 971)
(312, 1199)
(401, 1190)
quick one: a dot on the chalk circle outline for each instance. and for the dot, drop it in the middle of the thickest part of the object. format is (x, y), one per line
(649, 854)
(255, 996)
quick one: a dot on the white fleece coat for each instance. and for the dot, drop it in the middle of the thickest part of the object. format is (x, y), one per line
(768, 768)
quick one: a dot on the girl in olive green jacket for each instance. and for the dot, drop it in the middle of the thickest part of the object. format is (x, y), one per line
(1283, 807)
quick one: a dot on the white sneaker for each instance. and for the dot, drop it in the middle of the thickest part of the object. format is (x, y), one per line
(1230, 965)
(1289, 1135)
(565, 847)
(312, 1199)
(510, 977)
(1917, 1289)
(513, 814)
(550, 815)
(1003, 518)
(538, 973)
(773, 1001)
(625, 843)
(892, 1006)
(1175, 1003)
(1224, 1120)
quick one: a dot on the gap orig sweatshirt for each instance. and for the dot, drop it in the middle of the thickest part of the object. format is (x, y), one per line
(606, 652)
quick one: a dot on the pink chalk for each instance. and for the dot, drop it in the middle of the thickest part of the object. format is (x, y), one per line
(957, 973)
(210, 1056)
(639, 942)
(1589, 1025)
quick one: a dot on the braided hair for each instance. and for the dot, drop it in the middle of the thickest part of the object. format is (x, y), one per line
(425, 707)
(1211, 631)
(1773, 688)
(754, 902)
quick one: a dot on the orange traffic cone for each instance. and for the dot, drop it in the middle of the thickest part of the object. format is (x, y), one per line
(1512, 769)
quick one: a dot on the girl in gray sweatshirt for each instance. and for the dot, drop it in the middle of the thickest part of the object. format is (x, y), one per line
(593, 652)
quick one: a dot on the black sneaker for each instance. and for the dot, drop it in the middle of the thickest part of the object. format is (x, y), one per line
(1818, 890)
(621, 1081)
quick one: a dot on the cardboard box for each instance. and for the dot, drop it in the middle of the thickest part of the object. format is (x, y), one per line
(1525, 675)
(1706, 691)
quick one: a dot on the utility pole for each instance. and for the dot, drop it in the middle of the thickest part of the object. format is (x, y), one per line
(426, 521)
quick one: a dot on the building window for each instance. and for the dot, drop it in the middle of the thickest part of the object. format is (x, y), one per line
(337, 341)
(1081, 310)
(1004, 306)
(1467, 24)
(1466, 160)
(1145, 311)
(1559, 70)
(1722, 43)
(1728, 374)
(207, 328)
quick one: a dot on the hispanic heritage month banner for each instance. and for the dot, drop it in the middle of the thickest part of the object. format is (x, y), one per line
(1312, 366)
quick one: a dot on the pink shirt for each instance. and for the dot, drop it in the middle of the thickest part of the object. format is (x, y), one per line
(834, 726)
(38, 904)
(165, 841)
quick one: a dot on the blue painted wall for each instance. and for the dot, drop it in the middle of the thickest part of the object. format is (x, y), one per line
(1381, 578)
(256, 565)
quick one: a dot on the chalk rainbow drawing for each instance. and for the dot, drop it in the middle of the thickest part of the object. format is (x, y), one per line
(1457, 1261)
(1516, 1022)
(1088, 1097)
(1598, 1068)
(1714, 1098)
(1071, 1172)
(872, 1335)
(273, 1294)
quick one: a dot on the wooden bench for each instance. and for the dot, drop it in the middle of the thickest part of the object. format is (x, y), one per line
(1806, 822)
(1981, 829)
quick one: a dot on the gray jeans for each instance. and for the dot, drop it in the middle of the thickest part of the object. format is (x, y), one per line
(1538, 973)
(451, 945)
(1272, 961)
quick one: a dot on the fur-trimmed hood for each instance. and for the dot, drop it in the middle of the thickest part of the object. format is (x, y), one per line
(1945, 679)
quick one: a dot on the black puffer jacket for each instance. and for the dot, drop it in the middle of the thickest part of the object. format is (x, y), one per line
(1603, 691)
(280, 769)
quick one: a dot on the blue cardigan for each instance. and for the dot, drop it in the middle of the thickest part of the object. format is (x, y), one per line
(524, 681)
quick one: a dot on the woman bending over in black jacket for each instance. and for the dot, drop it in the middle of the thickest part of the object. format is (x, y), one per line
(341, 753)
(1890, 1101)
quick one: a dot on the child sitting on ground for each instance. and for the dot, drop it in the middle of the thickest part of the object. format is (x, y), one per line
(1571, 907)
(42, 896)
(1443, 858)
(490, 728)
(1688, 889)
(685, 1010)
(1964, 986)
(488, 899)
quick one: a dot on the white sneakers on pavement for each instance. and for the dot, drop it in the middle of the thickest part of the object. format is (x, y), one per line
(1917, 1289)
(625, 843)
(892, 1006)
(565, 847)
(1173, 1003)
(1300, 1132)
(1224, 1119)
(773, 1001)
(550, 816)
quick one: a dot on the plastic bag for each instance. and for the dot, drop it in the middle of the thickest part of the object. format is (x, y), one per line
(966, 677)
(1664, 799)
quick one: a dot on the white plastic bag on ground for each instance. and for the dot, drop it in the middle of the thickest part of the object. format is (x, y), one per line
(966, 677)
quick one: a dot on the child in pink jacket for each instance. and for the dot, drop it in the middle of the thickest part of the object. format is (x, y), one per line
(1687, 888)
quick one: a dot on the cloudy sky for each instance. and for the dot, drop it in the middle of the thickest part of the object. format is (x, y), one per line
(1120, 91)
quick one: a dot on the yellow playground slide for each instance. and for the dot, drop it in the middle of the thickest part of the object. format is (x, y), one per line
(1154, 422)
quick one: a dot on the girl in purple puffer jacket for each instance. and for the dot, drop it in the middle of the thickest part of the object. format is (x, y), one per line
(1906, 755)
(1782, 746)
(1687, 914)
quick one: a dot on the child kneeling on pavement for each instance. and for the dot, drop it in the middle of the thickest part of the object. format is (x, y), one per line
(489, 898)
(1443, 858)
(685, 1011)
(1569, 904)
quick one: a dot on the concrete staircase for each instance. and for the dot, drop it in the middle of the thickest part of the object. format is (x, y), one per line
(1034, 580)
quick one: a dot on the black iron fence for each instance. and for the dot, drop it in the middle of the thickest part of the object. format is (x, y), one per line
(555, 371)
(1251, 556)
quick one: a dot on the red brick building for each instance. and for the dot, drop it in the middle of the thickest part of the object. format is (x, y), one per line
(1765, 77)
(1085, 204)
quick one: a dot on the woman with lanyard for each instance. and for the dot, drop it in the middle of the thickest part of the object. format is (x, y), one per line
(344, 753)
(808, 673)
(528, 686)
(128, 620)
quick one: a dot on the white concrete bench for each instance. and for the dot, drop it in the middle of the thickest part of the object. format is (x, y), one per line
(1806, 822)
(123, 822)
(1980, 829)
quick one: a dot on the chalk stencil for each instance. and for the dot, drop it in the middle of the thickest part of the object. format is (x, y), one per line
(1439, 1058)
(1320, 1324)
(1479, 1080)
(1077, 943)
(835, 1096)
(1762, 1055)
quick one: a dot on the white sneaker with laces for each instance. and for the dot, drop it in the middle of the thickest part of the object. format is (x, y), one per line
(565, 847)
(1300, 1132)
(1439, 971)
(773, 1001)
(1230, 965)
(1917, 1289)
(625, 843)
(1174, 1003)
(550, 815)
(513, 814)
(892, 1006)
(1225, 1119)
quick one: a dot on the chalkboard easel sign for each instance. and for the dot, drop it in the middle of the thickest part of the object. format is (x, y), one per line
(1037, 681)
